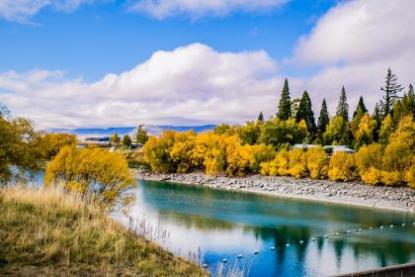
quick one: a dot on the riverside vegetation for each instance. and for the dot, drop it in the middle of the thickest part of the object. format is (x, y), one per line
(65, 228)
(384, 142)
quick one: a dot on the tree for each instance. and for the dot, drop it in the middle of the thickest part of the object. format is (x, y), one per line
(141, 135)
(391, 90)
(260, 117)
(305, 112)
(338, 132)
(279, 132)
(365, 133)
(342, 106)
(404, 106)
(249, 132)
(92, 172)
(357, 115)
(323, 118)
(284, 107)
(49, 145)
(19, 153)
(126, 141)
(115, 139)
(361, 108)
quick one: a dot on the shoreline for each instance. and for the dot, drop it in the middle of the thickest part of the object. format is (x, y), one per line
(398, 199)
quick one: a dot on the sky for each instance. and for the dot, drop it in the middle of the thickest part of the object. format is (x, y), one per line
(103, 63)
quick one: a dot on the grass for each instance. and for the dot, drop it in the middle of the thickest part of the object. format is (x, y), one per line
(46, 232)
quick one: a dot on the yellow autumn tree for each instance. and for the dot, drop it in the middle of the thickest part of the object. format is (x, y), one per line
(92, 172)
(297, 163)
(317, 162)
(157, 152)
(365, 134)
(181, 151)
(342, 167)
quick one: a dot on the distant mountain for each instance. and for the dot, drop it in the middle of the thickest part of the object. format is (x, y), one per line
(151, 129)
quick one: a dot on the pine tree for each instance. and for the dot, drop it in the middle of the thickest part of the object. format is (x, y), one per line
(391, 89)
(4, 111)
(360, 111)
(284, 107)
(260, 117)
(305, 112)
(361, 108)
(323, 118)
(404, 106)
(343, 107)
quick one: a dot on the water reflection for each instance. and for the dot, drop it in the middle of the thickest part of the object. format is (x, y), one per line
(223, 224)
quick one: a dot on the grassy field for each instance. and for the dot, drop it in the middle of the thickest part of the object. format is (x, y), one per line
(44, 232)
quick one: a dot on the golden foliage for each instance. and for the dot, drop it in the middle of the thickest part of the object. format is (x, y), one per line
(317, 163)
(92, 172)
(342, 167)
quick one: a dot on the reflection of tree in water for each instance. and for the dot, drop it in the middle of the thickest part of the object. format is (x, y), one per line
(208, 209)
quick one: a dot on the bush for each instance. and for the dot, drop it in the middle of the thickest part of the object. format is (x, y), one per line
(342, 167)
(371, 176)
(92, 172)
(297, 163)
(369, 156)
(317, 163)
(278, 166)
(157, 153)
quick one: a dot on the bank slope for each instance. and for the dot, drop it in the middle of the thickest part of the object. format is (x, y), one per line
(48, 233)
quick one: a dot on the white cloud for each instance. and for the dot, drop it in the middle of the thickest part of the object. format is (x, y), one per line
(198, 8)
(21, 10)
(354, 43)
(192, 84)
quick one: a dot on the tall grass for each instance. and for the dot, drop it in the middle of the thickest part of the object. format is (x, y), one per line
(48, 232)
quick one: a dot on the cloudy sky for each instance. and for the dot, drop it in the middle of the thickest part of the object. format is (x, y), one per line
(101, 63)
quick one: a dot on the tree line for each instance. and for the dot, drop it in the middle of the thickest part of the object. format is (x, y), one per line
(384, 141)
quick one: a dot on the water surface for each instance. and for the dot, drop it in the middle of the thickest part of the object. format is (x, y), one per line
(289, 234)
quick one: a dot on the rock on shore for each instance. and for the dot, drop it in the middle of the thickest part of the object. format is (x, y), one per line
(352, 193)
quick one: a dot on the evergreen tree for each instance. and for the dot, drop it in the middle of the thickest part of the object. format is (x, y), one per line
(404, 106)
(357, 115)
(305, 112)
(323, 118)
(141, 136)
(284, 107)
(343, 107)
(260, 117)
(361, 108)
(126, 141)
(391, 89)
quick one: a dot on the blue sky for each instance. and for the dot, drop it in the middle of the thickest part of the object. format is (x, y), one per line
(106, 37)
(101, 63)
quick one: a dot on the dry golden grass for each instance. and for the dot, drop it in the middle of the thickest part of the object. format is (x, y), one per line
(47, 232)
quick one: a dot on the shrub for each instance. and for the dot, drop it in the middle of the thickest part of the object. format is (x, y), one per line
(317, 162)
(342, 167)
(371, 175)
(92, 172)
(297, 163)
(181, 151)
(157, 153)
(369, 156)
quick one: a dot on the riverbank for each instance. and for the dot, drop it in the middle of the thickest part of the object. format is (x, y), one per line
(351, 193)
(48, 233)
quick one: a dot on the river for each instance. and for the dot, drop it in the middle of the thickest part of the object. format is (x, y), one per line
(292, 237)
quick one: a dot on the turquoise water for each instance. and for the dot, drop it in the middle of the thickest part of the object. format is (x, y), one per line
(211, 225)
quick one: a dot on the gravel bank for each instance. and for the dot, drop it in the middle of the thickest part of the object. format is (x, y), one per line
(380, 197)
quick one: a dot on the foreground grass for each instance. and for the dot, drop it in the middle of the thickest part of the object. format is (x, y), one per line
(44, 232)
